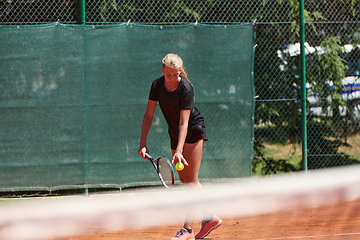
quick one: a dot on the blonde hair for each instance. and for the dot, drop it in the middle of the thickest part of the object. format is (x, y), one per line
(175, 61)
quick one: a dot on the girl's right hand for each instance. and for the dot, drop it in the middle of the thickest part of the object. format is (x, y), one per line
(178, 157)
(142, 151)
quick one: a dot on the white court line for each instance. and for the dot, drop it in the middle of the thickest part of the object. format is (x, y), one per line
(317, 236)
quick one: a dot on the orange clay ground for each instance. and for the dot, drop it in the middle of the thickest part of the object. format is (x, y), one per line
(338, 221)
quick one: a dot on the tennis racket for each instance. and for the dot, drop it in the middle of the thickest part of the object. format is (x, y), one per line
(164, 169)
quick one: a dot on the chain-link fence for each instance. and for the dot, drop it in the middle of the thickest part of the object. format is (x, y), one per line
(37, 12)
(333, 65)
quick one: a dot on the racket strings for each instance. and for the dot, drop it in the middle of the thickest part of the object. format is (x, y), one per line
(165, 170)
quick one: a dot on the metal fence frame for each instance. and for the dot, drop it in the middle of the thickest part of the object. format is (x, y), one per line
(280, 24)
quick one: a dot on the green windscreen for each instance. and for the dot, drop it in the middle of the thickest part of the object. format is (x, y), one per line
(72, 99)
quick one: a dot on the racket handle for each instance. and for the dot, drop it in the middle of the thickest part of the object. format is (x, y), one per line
(147, 156)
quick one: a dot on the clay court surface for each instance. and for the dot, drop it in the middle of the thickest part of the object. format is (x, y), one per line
(337, 221)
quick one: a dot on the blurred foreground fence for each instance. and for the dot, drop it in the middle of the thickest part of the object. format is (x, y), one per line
(332, 30)
(72, 100)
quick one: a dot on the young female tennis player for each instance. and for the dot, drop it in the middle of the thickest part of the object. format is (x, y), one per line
(187, 132)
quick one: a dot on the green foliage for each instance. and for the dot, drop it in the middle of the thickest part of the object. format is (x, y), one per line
(161, 11)
(267, 165)
(324, 150)
(178, 8)
(327, 70)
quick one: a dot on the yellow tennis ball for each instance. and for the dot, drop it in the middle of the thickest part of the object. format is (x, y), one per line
(179, 166)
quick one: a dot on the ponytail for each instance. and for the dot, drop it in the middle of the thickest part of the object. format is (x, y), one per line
(183, 74)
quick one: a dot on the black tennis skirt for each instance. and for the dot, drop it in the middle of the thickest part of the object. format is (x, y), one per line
(194, 134)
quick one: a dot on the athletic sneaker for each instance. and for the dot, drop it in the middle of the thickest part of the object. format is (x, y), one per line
(207, 227)
(183, 234)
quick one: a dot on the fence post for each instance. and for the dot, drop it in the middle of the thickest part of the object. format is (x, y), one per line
(82, 21)
(82, 11)
(303, 86)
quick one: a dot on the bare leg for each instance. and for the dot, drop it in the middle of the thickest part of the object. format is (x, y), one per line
(189, 175)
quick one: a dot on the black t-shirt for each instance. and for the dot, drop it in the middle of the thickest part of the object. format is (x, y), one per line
(171, 104)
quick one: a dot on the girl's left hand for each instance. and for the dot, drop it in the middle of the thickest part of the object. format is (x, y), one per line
(178, 157)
